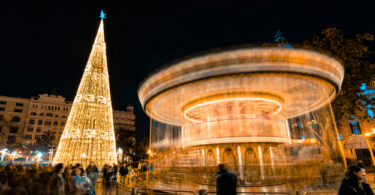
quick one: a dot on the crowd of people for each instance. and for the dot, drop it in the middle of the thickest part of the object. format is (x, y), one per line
(75, 180)
(57, 180)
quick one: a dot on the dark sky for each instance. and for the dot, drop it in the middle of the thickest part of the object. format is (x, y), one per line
(46, 46)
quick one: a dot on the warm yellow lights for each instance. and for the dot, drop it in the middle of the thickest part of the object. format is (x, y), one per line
(238, 140)
(89, 134)
(275, 108)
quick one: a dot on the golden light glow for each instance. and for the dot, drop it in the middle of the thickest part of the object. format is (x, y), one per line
(253, 109)
(273, 106)
(89, 134)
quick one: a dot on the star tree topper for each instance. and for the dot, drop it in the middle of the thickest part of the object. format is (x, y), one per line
(102, 15)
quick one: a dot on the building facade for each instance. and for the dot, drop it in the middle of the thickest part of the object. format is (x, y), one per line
(46, 113)
(360, 128)
(24, 120)
(124, 121)
(13, 113)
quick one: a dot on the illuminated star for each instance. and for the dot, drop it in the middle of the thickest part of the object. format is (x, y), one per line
(102, 15)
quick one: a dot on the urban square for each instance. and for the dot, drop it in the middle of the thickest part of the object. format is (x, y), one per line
(179, 100)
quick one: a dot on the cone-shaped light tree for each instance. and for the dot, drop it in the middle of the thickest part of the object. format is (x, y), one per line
(89, 134)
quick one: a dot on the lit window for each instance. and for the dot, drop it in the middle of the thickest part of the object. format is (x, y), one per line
(354, 126)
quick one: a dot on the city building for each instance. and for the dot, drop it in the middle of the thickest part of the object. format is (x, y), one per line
(124, 121)
(24, 120)
(13, 113)
(358, 133)
(46, 113)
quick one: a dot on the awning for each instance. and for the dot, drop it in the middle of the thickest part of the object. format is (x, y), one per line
(356, 142)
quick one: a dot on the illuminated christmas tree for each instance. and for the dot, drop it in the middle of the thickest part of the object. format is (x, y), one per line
(88, 134)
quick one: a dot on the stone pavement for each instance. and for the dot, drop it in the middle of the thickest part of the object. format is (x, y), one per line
(117, 189)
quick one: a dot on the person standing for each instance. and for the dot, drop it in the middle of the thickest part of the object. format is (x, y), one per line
(56, 184)
(68, 179)
(80, 183)
(114, 174)
(226, 182)
(354, 182)
(123, 171)
(92, 173)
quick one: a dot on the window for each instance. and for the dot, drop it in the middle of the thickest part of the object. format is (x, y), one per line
(17, 110)
(41, 114)
(49, 114)
(19, 104)
(11, 140)
(30, 129)
(16, 119)
(2, 108)
(32, 121)
(63, 116)
(1, 128)
(37, 136)
(3, 103)
(56, 115)
(354, 125)
(55, 123)
(62, 123)
(38, 130)
(29, 137)
(33, 113)
(47, 122)
(40, 122)
(1, 117)
(13, 129)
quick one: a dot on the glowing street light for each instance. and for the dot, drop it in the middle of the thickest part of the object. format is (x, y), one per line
(3, 153)
(39, 156)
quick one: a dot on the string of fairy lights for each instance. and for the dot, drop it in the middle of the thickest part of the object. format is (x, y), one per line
(89, 133)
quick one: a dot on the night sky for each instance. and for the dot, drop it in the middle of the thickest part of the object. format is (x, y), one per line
(46, 47)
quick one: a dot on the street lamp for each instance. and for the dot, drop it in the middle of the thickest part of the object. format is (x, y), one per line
(119, 153)
(39, 156)
(3, 153)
